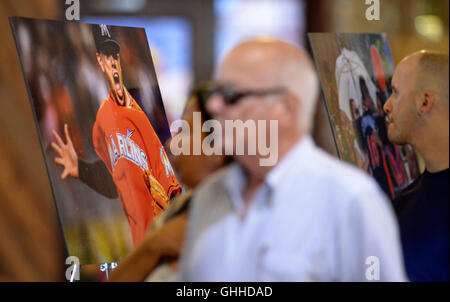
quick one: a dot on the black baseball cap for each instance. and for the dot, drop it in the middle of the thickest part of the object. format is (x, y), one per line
(104, 42)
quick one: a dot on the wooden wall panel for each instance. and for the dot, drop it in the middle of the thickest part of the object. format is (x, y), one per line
(31, 246)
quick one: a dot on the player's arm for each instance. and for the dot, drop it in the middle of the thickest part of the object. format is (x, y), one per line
(366, 162)
(95, 174)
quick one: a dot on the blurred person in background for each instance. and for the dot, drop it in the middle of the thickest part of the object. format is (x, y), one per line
(372, 142)
(418, 111)
(156, 258)
(358, 144)
(391, 152)
(308, 218)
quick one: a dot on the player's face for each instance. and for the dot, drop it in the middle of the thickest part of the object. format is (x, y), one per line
(400, 107)
(354, 110)
(110, 65)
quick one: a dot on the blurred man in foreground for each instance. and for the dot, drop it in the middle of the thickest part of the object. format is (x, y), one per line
(309, 217)
(418, 115)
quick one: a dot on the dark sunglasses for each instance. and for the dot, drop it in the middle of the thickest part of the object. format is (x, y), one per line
(230, 95)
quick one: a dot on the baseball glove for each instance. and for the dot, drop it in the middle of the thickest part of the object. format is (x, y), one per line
(160, 199)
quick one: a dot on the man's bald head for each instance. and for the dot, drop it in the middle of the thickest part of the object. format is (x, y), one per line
(431, 72)
(418, 108)
(273, 63)
(419, 102)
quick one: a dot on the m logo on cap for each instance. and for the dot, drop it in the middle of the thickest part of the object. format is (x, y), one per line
(105, 31)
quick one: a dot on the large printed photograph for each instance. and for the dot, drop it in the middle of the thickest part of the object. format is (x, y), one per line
(355, 72)
(102, 128)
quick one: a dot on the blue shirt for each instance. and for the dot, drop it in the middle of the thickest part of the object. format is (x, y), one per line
(423, 213)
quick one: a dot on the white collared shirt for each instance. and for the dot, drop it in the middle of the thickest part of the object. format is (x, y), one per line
(313, 219)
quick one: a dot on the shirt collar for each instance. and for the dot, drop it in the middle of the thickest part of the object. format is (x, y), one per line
(297, 156)
(236, 179)
(235, 182)
(129, 101)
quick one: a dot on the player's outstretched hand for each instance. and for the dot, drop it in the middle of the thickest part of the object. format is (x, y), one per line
(67, 157)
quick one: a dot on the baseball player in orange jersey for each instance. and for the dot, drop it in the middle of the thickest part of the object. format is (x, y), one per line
(128, 146)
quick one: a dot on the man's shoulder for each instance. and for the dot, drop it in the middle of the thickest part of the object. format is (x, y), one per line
(212, 194)
(104, 106)
(347, 177)
(209, 202)
(410, 189)
(403, 199)
(214, 183)
(338, 186)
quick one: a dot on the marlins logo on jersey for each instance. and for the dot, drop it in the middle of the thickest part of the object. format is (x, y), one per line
(126, 148)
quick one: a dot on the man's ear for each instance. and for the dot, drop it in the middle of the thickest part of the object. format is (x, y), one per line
(99, 60)
(291, 108)
(426, 102)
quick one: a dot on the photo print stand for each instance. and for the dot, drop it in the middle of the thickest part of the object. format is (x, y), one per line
(102, 128)
(107, 267)
(88, 272)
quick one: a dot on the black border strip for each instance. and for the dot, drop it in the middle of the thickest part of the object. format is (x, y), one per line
(12, 22)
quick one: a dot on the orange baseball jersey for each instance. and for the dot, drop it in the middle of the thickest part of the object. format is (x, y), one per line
(127, 144)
